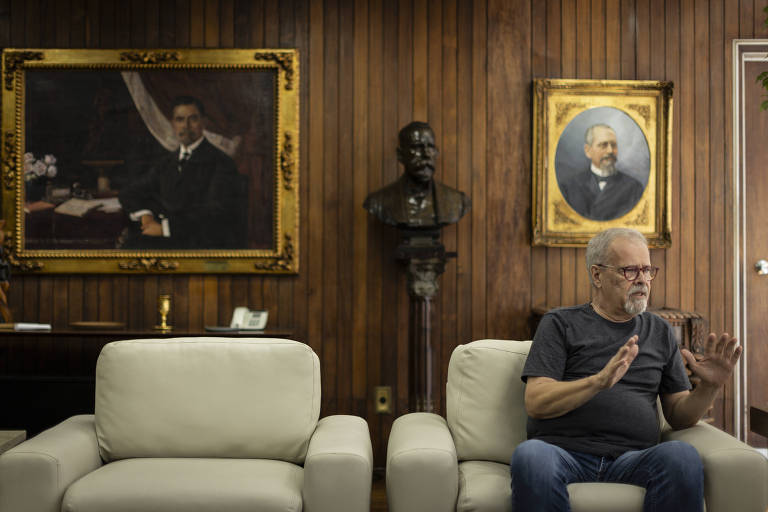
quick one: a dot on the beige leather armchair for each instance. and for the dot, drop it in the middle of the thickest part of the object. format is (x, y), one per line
(196, 424)
(462, 462)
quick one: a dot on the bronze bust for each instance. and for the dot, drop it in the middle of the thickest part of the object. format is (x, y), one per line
(416, 200)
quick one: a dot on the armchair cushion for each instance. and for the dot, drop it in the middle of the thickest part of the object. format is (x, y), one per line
(261, 396)
(189, 485)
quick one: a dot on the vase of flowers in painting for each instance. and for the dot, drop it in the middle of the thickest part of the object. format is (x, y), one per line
(37, 173)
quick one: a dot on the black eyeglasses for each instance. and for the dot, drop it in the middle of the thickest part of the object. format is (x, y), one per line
(631, 273)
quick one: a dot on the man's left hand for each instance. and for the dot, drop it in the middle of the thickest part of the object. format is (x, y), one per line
(715, 365)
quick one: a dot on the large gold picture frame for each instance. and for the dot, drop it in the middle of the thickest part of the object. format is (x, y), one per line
(82, 128)
(569, 204)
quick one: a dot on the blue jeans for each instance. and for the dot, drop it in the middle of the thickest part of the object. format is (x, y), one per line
(671, 473)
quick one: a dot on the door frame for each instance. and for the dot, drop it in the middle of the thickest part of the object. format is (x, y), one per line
(744, 50)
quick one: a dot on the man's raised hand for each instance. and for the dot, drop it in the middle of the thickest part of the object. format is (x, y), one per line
(615, 369)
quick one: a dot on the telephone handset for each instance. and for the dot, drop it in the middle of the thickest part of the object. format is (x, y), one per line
(244, 318)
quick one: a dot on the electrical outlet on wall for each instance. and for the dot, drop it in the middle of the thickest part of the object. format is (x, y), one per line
(382, 396)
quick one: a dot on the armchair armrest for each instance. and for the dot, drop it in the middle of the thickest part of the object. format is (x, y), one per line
(35, 474)
(735, 474)
(339, 466)
(422, 467)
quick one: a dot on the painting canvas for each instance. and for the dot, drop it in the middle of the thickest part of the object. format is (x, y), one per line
(601, 159)
(163, 161)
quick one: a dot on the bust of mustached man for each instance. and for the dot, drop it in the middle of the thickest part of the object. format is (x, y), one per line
(416, 200)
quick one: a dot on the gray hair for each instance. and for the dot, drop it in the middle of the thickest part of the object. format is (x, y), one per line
(589, 136)
(598, 246)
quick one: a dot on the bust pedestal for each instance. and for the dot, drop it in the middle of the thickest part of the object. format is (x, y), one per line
(425, 257)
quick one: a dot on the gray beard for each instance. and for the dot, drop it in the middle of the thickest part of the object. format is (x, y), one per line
(609, 167)
(635, 306)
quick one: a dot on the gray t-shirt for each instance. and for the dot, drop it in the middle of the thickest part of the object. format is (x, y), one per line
(575, 342)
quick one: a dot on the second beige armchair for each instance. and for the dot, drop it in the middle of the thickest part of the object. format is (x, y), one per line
(461, 462)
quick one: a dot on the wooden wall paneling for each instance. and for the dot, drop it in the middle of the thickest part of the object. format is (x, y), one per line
(656, 72)
(346, 210)
(391, 270)
(136, 11)
(120, 302)
(166, 25)
(195, 302)
(687, 146)
(395, 375)
(599, 22)
(314, 268)
(182, 12)
(465, 173)
(197, 32)
(271, 25)
(479, 152)
(377, 318)
(122, 24)
(31, 23)
(18, 17)
(701, 158)
(628, 40)
(105, 19)
(612, 40)
(545, 47)
(717, 165)
(242, 23)
(5, 22)
(210, 306)
(298, 318)
(106, 296)
(149, 305)
(508, 191)
(180, 290)
(256, 23)
(435, 114)
(330, 205)
(224, 305)
(152, 21)
(672, 255)
(585, 24)
(227, 24)
(59, 316)
(746, 18)
(450, 171)
(643, 47)
(211, 23)
(360, 255)
(731, 31)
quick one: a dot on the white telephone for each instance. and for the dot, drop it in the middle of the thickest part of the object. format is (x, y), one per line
(244, 318)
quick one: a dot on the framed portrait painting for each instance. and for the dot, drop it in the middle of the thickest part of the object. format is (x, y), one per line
(159, 161)
(601, 158)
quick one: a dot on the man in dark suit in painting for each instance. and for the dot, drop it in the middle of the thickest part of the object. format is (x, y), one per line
(601, 192)
(192, 198)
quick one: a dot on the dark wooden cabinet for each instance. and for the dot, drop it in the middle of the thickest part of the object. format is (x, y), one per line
(46, 377)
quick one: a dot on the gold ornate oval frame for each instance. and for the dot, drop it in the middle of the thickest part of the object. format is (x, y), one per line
(278, 256)
(556, 102)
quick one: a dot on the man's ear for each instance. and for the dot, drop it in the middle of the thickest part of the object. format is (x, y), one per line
(587, 151)
(594, 271)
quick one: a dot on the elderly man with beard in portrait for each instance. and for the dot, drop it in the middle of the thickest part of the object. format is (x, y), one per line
(601, 192)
